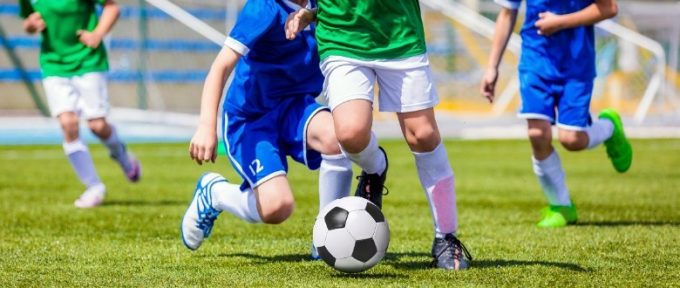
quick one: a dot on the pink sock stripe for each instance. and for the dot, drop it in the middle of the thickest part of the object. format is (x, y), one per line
(444, 201)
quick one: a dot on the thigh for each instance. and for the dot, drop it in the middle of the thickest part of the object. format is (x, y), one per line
(406, 90)
(574, 105)
(94, 99)
(61, 95)
(253, 149)
(293, 126)
(538, 100)
(347, 81)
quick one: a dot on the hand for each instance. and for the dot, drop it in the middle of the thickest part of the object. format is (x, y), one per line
(548, 23)
(297, 21)
(488, 87)
(89, 39)
(203, 145)
(34, 23)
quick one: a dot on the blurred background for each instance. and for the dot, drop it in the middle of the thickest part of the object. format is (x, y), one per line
(160, 52)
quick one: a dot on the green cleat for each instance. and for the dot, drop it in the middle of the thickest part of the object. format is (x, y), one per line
(619, 150)
(557, 216)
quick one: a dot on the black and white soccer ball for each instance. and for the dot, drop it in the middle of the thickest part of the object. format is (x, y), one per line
(351, 234)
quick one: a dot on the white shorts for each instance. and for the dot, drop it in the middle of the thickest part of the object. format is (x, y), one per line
(85, 95)
(406, 85)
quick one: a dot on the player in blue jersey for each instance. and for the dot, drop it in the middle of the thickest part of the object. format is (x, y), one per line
(269, 113)
(557, 69)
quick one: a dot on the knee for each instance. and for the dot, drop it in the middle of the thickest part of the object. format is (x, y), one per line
(537, 135)
(571, 142)
(69, 124)
(422, 139)
(275, 211)
(353, 138)
(97, 126)
(330, 145)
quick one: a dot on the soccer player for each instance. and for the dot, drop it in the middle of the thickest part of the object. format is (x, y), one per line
(364, 42)
(270, 113)
(556, 71)
(74, 66)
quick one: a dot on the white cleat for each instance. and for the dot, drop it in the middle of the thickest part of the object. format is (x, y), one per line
(92, 197)
(198, 220)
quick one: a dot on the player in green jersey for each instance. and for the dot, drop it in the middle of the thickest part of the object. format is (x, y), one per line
(74, 65)
(362, 42)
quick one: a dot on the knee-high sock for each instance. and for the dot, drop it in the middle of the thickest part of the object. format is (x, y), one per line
(335, 178)
(81, 161)
(552, 179)
(242, 204)
(437, 179)
(599, 131)
(371, 159)
(117, 149)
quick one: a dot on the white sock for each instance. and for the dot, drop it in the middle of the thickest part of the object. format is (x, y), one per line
(371, 159)
(438, 181)
(81, 161)
(117, 149)
(552, 179)
(599, 131)
(229, 197)
(335, 178)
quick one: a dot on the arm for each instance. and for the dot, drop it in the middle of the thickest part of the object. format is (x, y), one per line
(504, 24)
(204, 141)
(109, 17)
(593, 13)
(298, 20)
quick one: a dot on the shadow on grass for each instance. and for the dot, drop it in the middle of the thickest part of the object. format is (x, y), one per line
(396, 260)
(142, 203)
(615, 223)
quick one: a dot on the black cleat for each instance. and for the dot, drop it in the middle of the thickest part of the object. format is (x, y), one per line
(371, 186)
(450, 254)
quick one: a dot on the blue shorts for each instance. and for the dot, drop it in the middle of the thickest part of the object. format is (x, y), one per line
(257, 147)
(566, 103)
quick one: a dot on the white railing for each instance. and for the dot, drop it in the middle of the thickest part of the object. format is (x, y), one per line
(658, 79)
(189, 20)
(485, 27)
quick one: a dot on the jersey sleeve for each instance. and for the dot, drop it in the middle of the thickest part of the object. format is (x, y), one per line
(25, 8)
(510, 4)
(255, 19)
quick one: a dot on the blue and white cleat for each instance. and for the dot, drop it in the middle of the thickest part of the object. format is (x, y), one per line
(198, 220)
(315, 253)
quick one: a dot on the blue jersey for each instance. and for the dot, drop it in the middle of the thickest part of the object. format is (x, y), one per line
(567, 54)
(272, 68)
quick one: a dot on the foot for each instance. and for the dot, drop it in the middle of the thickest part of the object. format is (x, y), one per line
(450, 254)
(371, 186)
(557, 216)
(198, 220)
(92, 197)
(135, 172)
(619, 150)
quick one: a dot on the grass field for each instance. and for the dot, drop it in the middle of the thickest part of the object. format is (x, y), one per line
(628, 233)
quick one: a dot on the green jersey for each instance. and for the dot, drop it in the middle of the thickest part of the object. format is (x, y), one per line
(370, 29)
(61, 52)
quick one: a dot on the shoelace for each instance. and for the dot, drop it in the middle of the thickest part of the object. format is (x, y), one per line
(451, 243)
(368, 193)
(206, 213)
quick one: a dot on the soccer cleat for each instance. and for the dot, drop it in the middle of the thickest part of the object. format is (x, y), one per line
(619, 150)
(371, 186)
(135, 172)
(555, 216)
(92, 197)
(199, 218)
(450, 254)
(315, 253)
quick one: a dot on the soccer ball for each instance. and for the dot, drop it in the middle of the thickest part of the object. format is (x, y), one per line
(351, 234)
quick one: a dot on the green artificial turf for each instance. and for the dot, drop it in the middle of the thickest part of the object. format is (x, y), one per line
(628, 233)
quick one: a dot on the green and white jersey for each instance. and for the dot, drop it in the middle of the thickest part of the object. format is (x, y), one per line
(61, 53)
(370, 29)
